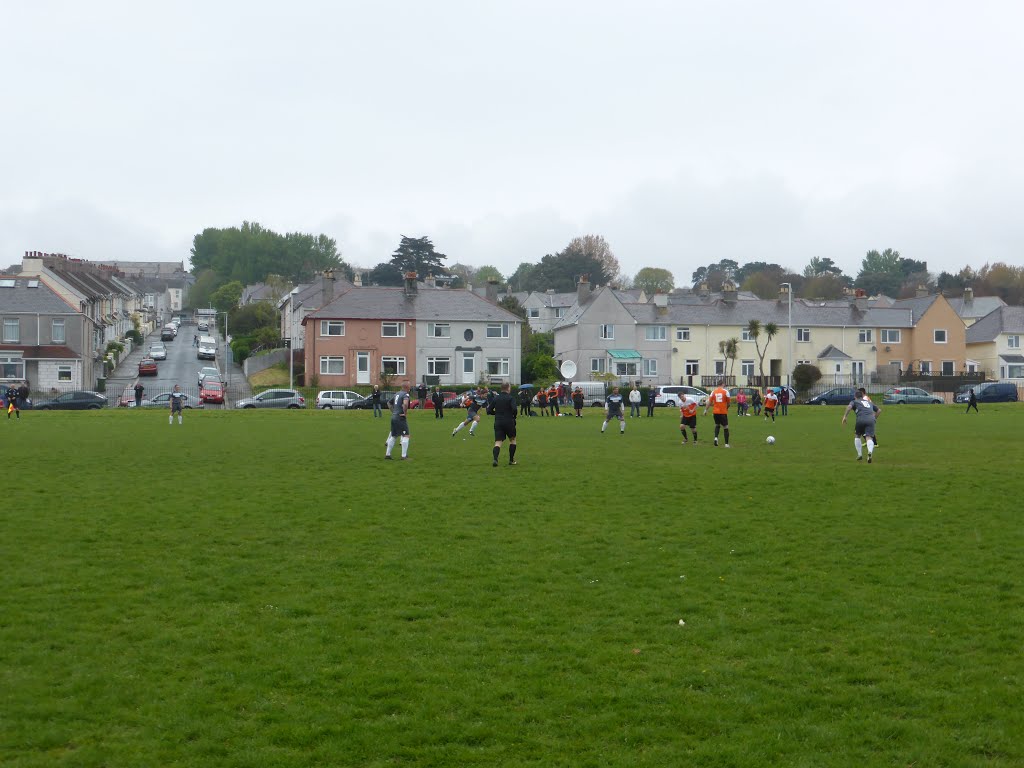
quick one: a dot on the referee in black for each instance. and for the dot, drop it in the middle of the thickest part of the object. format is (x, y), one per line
(503, 409)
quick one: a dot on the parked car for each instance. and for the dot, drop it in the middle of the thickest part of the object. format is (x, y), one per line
(447, 395)
(778, 391)
(212, 391)
(336, 398)
(147, 367)
(836, 396)
(672, 395)
(163, 401)
(991, 392)
(158, 351)
(210, 372)
(274, 398)
(203, 327)
(167, 333)
(748, 391)
(364, 403)
(74, 401)
(901, 395)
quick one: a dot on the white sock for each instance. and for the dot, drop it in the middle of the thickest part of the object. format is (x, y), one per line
(603, 426)
(179, 418)
(170, 419)
(472, 427)
(390, 444)
(405, 446)
(856, 444)
(622, 426)
(871, 446)
(461, 425)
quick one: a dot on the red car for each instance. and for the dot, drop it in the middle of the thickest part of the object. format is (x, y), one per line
(430, 403)
(211, 391)
(147, 367)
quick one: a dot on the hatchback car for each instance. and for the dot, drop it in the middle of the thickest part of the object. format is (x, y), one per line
(74, 401)
(447, 396)
(274, 398)
(901, 395)
(212, 391)
(163, 400)
(336, 398)
(673, 394)
(202, 327)
(147, 367)
(158, 351)
(836, 396)
(208, 372)
(991, 392)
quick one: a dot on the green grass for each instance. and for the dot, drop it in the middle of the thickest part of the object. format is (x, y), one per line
(262, 589)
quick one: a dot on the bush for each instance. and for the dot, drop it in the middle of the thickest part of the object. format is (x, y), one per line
(240, 350)
(804, 376)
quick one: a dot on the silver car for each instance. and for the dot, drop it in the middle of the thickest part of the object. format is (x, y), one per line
(274, 398)
(158, 351)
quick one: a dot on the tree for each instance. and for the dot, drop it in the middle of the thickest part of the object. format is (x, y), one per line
(539, 362)
(226, 297)
(386, 273)
(823, 286)
(805, 375)
(754, 328)
(881, 272)
(596, 248)
(520, 279)
(716, 274)
(206, 283)
(821, 266)
(729, 348)
(487, 273)
(511, 303)
(653, 279)
(417, 254)
(246, 320)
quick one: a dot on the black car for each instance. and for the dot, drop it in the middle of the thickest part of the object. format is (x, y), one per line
(836, 396)
(386, 398)
(74, 401)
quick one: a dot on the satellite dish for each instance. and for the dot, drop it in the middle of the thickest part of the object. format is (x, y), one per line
(568, 370)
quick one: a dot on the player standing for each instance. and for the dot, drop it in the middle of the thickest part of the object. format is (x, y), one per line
(613, 410)
(867, 413)
(719, 402)
(688, 418)
(399, 422)
(177, 400)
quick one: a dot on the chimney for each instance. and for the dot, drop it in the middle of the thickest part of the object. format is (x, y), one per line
(357, 281)
(703, 291)
(430, 282)
(410, 284)
(783, 294)
(583, 289)
(327, 287)
(492, 291)
(860, 300)
(660, 299)
(968, 295)
(922, 291)
(729, 291)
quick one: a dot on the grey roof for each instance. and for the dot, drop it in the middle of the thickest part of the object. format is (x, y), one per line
(977, 307)
(40, 299)
(556, 299)
(1012, 358)
(1002, 320)
(918, 305)
(391, 303)
(832, 352)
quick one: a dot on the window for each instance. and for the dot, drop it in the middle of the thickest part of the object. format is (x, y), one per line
(393, 365)
(926, 366)
(332, 366)
(692, 368)
(939, 336)
(682, 334)
(497, 330)
(439, 366)
(607, 332)
(650, 367)
(534, 312)
(597, 365)
(12, 368)
(890, 335)
(559, 311)
(392, 329)
(625, 369)
(745, 335)
(12, 330)
(1013, 342)
(803, 334)
(497, 366)
(803, 362)
(948, 367)
(747, 368)
(57, 330)
(1015, 371)
(63, 373)
(332, 327)
(719, 367)
(656, 333)
(439, 330)
(864, 337)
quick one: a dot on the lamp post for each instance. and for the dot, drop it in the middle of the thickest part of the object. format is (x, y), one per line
(789, 292)
(291, 337)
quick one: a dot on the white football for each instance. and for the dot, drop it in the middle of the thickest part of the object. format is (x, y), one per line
(770, 440)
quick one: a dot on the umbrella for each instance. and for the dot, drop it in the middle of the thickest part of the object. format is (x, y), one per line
(526, 386)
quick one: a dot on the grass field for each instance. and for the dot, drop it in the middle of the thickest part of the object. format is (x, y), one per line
(262, 589)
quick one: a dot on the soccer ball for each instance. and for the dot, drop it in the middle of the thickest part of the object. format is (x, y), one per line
(770, 440)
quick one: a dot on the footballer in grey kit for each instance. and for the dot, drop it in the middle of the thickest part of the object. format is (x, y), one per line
(475, 403)
(613, 410)
(399, 422)
(867, 413)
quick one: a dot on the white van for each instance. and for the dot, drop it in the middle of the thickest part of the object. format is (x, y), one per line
(593, 392)
(673, 395)
(207, 348)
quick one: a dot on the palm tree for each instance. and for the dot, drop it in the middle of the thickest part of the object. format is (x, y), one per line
(754, 328)
(728, 348)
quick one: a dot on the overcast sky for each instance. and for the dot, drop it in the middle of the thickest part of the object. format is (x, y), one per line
(682, 132)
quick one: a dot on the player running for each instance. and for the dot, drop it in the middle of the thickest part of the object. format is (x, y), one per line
(613, 410)
(688, 418)
(503, 409)
(719, 402)
(867, 413)
(400, 422)
(771, 400)
(475, 402)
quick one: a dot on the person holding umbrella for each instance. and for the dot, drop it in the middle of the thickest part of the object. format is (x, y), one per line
(524, 400)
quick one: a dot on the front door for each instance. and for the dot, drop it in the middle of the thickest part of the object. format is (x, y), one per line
(468, 368)
(857, 369)
(362, 367)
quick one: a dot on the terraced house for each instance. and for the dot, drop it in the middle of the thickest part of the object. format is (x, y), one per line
(438, 335)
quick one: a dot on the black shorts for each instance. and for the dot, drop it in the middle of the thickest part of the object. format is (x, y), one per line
(504, 430)
(688, 421)
(860, 430)
(721, 419)
(399, 426)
